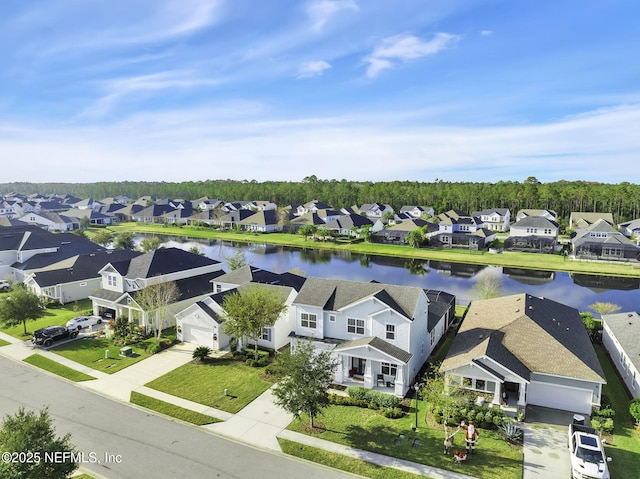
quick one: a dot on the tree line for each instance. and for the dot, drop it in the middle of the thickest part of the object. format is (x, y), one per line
(622, 199)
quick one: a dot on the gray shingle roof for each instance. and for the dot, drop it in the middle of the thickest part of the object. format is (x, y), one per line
(333, 295)
(626, 329)
(526, 334)
(165, 261)
(380, 344)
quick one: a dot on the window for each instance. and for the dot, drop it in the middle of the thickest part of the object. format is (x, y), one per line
(218, 288)
(84, 283)
(308, 320)
(112, 280)
(332, 318)
(389, 369)
(355, 326)
(266, 334)
(467, 382)
(391, 332)
(480, 384)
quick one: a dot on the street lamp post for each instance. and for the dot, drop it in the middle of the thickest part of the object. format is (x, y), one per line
(416, 386)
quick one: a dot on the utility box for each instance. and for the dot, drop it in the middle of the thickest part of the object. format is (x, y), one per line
(126, 351)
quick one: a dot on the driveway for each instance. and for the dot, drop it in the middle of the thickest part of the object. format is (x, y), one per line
(546, 455)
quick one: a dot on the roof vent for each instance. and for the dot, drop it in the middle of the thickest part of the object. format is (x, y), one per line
(530, 308)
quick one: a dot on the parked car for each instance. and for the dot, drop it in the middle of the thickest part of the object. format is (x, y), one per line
(4, 285)
(80, 322)
(47, 336)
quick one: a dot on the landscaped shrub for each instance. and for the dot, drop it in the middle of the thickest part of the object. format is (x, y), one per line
(357, 392)
(153, 348)
(394, 413)
(201, 353)
(376, 399)
(634, 409)
(605, 413)
(604, 425)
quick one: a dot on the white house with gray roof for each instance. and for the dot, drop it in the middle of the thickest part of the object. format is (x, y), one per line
(381, 334)
(621, 337)
(534, 349)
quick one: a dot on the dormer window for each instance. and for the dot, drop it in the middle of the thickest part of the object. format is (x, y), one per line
(112, 280)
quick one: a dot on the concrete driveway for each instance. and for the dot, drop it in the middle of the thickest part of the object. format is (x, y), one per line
(546, 455)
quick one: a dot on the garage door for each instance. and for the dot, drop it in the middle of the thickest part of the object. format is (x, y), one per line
(559, 397)
(195, 335)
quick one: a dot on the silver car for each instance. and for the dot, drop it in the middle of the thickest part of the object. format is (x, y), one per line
(81, 322)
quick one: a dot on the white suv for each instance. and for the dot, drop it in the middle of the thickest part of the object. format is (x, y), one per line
(80, 322)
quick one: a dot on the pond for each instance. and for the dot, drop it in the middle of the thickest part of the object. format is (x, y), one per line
(577, 290)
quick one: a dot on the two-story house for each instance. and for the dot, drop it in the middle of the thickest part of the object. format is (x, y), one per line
(418, 211)
(375, 211)
(458, 229)
(535, 234)
(121, 280)
(381, 334)
(602, 241)
(495, 219)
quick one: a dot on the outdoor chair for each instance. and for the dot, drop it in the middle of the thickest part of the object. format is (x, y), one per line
(380, 379)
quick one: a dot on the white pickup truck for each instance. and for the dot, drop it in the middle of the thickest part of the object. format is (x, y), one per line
(588, 460)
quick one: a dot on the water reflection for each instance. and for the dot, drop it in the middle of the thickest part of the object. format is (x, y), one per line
(455, 278)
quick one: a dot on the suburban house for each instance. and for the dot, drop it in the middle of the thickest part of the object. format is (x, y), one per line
(73, 278)
(601, 241)
(533, 234)
(307, 219)
(349, 225)
(397, 234)
(375, 211)
(121, 280)
(263, 221)
(582, 219)
(94, 216)
(535, 350)
(202, 322)
(50, 221)
(25, 249)
(548, 214)
(630, 228)
(496, 219)
(311, 207)
(381, 334)
(417, 211)
(460, 230)
(621, 338)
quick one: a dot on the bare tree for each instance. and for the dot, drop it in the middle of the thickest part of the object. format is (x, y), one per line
(604, 308)
(487, 286)
(155, 300)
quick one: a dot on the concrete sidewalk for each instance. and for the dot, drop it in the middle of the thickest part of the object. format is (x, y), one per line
(259, 424)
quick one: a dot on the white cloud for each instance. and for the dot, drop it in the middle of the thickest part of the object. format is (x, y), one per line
(486, 33)
(405, 47)
(320, 12)
(119, 89)
(312, 69)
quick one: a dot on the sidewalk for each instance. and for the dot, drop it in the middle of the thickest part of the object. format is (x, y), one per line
(258, 424)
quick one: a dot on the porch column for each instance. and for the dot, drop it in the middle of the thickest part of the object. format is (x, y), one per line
(523, 390)
(497, 394)
(368, 375)
(399, 382)
(342, 370)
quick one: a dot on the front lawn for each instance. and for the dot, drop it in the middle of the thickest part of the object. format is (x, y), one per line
(52, 317)
(205, 383)
(57, 368)
(344, 463)
(368, 430)
(91, 352)
(624, 446)
(3, 342)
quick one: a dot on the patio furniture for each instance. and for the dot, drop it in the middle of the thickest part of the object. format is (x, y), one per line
(379, 379)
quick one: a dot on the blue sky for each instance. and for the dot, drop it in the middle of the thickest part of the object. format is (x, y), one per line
(459, 90)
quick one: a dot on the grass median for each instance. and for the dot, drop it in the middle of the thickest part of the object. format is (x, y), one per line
(172, 410)
(57, 368)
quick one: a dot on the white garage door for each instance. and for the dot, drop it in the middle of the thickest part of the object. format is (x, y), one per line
(559, 397)
(195, 335)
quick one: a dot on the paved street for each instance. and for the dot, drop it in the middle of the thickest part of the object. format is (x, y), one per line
(150, 446)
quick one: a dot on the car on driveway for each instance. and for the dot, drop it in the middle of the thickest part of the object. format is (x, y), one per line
(81, 322)
(49, 335)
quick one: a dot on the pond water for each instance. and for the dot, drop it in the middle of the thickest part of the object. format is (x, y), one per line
(577, 290)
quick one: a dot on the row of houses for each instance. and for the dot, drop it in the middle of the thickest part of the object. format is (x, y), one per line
(533, 349)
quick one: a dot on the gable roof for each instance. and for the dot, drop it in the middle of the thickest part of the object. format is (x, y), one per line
(160, 262)
(585, 218)
(376, 343)
(535, 222)
(348, 221)
(526, 334)
(251, 274)
(333, 295)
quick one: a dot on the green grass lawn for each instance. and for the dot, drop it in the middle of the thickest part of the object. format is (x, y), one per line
(52, 317)
(344, 463)
(172, 410)
(204, 383)
(57, 368)
(3, 342)
(510, 259)
(91, 352)
(368, 430)
(624, 446)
